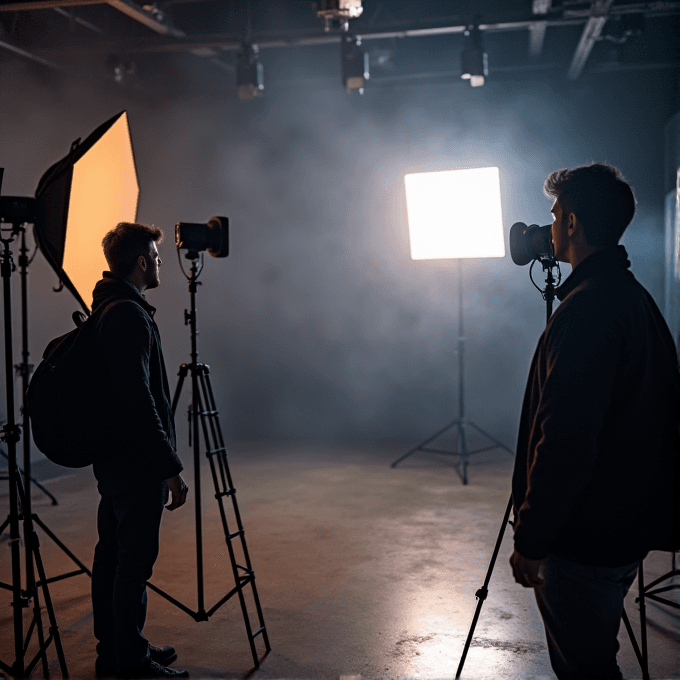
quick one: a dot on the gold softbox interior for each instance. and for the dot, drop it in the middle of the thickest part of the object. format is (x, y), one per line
(84, 196)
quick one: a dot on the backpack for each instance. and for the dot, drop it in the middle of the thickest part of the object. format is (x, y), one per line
(61, 407)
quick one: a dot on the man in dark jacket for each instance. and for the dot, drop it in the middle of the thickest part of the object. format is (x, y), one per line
(595, 485)
(137, 465)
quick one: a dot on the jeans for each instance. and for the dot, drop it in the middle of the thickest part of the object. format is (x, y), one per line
(128, 523)
(581, 607)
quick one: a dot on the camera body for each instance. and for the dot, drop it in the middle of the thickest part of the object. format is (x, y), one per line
(531, 242)
(212, 236)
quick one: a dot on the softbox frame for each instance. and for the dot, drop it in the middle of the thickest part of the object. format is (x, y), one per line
(53, 196)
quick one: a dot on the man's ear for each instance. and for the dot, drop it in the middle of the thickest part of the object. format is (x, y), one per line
(141, 261)
(572, 219)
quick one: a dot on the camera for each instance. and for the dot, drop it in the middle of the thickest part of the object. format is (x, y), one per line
(531, 243)
(212, 236)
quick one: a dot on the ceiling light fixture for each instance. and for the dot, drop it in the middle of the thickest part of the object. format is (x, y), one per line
(249, 73)
(474, 61)
(354, 63)
(337, 13)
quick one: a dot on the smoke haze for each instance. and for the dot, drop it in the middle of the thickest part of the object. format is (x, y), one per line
(319, 324)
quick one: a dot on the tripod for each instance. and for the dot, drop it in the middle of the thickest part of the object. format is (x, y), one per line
(462, 422)
(20, 512)
(203, 409)
(549, 296)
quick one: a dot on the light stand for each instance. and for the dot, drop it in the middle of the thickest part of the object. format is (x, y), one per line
(17, 212)
(549, 296)
(455, 214)
(24, 369)
(20, 510)
(461, 423)
(203, 419)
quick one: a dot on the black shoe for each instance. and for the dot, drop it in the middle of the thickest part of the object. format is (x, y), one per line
(154, 670)
(163, 655)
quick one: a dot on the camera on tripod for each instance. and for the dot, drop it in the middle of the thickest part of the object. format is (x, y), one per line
(212, 236)
(531, 243)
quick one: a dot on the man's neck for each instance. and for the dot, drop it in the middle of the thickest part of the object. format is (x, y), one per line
(136, 283)
(576, 256)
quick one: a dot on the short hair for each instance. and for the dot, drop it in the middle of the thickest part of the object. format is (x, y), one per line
(126, 242)
(599, 196)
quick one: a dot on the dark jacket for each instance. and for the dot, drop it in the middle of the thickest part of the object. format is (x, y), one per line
(139, 435)
(598, 453)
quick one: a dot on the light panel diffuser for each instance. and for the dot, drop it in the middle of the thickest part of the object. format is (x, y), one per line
(455, 214)
(104, 191)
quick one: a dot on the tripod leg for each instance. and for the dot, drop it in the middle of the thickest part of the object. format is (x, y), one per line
(18, 599)
(633, 641)
(415, 449)
(44, 527)
(54, 628)
(178, 389)
(37, 622)
(643, 624)
(196, 411)
(216, 447)
(224, 487)
(463, 451)
(484, 590)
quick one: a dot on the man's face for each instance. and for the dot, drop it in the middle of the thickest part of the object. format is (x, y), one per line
(153, 267)
(559, 232)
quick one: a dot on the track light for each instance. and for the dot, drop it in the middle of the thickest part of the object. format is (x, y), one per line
(337, 13)
(474, 62)
(249, 73)
(354, 63)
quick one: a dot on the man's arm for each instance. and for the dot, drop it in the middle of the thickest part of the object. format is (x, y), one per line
(126, 343)
(582, 349)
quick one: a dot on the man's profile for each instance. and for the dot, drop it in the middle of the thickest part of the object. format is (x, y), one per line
(136, 466)
(596, 475)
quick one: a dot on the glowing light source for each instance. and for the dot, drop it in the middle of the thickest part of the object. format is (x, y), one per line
(455, 214)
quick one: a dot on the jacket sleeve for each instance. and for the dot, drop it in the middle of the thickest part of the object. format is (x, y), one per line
(126, 337)
(581, 352)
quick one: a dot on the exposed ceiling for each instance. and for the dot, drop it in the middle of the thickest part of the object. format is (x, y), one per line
(409, 42)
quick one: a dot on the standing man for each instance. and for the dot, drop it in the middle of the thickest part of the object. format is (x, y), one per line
(137, 467)
(595, 485)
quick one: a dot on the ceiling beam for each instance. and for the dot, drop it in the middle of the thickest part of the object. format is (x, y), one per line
(210, 45)
(599, 13)
(73, 18)
(6, 45)
(203, 44)
(45, 4)
(538, 28)
(279, 39)
(158, 23)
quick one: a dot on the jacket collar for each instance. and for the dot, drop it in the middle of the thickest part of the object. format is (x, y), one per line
(113, 287)
(604, 262)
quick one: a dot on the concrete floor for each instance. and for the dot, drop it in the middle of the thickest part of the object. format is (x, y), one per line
(361, 570)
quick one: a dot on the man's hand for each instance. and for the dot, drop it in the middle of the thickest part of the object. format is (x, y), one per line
(178, 489)
(526, 571)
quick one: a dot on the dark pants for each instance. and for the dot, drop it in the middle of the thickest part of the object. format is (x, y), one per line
(581, 607)
(128, 523)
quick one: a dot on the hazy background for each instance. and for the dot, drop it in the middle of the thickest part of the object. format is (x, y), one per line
(318, 324)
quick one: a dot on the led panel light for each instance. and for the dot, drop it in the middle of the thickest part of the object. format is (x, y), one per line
(455, 214)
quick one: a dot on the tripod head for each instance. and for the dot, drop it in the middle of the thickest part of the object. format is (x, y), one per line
(534, 244)
(548, 293)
